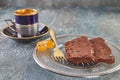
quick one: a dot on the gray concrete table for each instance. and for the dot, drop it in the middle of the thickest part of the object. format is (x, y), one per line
(16, 61)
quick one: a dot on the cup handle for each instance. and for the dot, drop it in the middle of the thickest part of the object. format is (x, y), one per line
(13, 24)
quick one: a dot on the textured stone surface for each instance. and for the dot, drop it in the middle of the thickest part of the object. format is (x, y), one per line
(61, 3)
(16, 61)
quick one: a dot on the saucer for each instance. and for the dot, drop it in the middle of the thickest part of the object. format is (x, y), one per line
(12, 35)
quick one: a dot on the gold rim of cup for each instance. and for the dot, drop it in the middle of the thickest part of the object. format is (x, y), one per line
(25, 12)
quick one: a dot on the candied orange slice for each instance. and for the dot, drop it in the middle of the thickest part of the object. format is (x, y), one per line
(44, 45)
(50, 44)
(41, 46)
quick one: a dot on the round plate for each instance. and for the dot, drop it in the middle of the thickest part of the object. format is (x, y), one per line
(45, 61)
(12, 35)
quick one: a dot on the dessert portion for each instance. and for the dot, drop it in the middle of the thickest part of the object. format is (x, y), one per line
(79, 50)
(83, 50)
(101, 51)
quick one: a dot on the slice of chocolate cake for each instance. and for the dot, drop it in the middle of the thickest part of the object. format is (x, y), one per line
(82, 50)
(79, 51)
(101, 51)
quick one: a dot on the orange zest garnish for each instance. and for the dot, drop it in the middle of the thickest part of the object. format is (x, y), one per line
(50, 44)
(41, 46)
(44, 45)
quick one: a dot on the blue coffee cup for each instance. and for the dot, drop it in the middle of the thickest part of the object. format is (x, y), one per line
(26, 22)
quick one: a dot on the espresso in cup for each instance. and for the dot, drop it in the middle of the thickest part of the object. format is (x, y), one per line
(26, 22)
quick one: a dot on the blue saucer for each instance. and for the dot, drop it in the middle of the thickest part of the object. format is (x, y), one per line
(13, 35)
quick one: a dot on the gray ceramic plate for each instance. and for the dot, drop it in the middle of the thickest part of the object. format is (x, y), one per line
(45, 61)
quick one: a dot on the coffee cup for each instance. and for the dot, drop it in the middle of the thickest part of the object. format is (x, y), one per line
(26, 22)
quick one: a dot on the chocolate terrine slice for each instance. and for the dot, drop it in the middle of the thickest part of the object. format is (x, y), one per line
(79, 51)
(101, 51)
